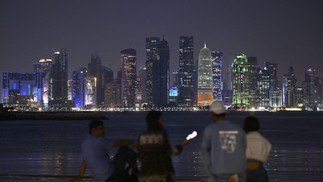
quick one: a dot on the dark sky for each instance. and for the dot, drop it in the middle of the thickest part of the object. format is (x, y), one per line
(286, 32)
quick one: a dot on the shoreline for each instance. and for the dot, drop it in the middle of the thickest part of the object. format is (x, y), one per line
(55, 115)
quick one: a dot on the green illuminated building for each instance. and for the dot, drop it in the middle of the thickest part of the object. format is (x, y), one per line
(241, 81)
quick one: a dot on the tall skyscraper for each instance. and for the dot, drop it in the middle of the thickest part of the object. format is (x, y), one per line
(263, 88)
(161, 71)
(44, 66)
(186, 84)
(273, 84)
(217, 62)
(204, 78)
(142, 86)
(78, 86)
(95, 70)
(128, 61)
(253, 71)
(289, 89)
(58, 81)
(157, 71)
(241, 81)
(311, 86)
(151, 58)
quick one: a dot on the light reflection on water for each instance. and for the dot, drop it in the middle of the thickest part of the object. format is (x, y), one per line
(53, 147)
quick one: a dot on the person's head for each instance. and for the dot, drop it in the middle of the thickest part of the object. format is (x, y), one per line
(251, 123)
(154, 120)
(217, 111)
(96, 128)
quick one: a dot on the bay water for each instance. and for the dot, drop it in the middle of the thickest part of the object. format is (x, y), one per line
(54, 146)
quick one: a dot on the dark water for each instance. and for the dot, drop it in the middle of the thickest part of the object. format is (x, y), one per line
(53, 147)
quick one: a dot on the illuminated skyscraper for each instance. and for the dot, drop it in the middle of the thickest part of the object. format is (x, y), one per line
(274, 96)
(142, 86)
(289, 89)
(204, 78)
(78, 86)
(217, 59)
(128, 61)
(157, 71)
(95, 70)
(311, 87)
(241, 81)
(263, 87)
(253, 71)
(58, 81)
(44, 66)
(186, 84)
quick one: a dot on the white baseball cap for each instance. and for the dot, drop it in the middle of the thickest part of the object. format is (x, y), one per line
(217, 108)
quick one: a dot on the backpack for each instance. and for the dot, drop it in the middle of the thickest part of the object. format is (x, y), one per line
(125, 165)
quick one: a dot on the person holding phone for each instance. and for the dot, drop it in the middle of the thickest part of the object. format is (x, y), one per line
(155, 151)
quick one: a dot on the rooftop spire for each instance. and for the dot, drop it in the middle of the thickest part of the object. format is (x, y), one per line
(204, 44)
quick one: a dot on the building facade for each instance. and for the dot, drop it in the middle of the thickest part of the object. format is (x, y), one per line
(58, 82)
(186, 83)
(204, 78)
(129, 76)
(157, 72)
(241, 82)
(217, 62)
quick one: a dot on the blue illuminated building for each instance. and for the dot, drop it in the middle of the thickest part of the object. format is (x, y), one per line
(21, 89)
(78, 80)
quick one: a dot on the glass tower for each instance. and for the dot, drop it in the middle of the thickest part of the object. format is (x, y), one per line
(128, 61)
(204, 78)
(217, 60)
(241, 77)
(186, 72)
(58, 81)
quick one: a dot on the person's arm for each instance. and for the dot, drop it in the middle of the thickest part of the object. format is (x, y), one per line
(179, 148)
(82, 168)
(81, 173)
(123, 142)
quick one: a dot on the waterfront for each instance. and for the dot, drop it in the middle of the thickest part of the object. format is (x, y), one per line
(53, 146)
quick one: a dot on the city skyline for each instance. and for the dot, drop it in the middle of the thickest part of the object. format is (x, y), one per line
(286, 33)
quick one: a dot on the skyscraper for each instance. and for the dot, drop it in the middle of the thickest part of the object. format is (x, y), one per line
(44, 66)
(217, 61)
(241, 81)
(274, 98)
(162, 75)
(128, 61)
(263, 88)
(151, 57)
(95, 70)
(204, 78)
(157, 71)
(186, 84)
(253, 71)
(289, 89)
(311, 86)
(78, 86)
(142, 86)
(58, 81)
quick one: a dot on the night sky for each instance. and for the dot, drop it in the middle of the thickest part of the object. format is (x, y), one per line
(286, 32)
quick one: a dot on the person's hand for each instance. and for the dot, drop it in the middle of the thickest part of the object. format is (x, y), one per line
(186, 142)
